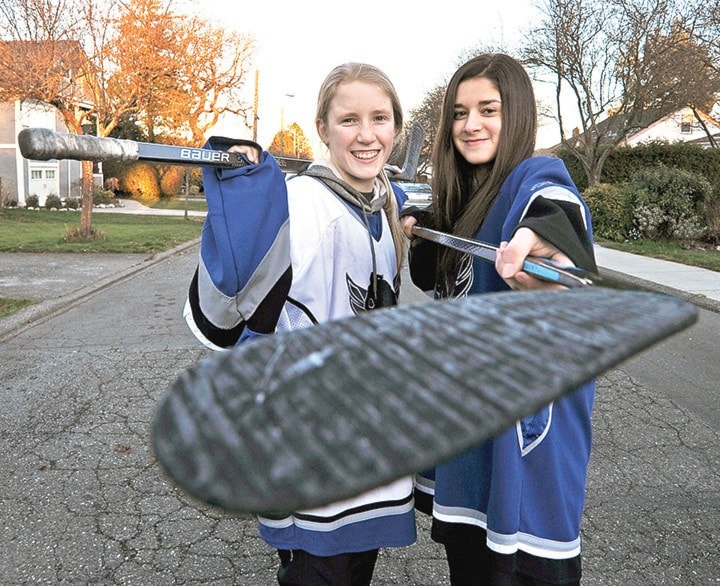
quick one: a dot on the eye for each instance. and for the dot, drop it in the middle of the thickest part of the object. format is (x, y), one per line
(459, 114)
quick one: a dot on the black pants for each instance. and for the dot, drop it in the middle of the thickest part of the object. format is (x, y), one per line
(300, 568)
(472, 563)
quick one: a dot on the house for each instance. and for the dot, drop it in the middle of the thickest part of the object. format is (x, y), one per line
(19, 177)
(654, 126)
(22, 177)
(679, 126)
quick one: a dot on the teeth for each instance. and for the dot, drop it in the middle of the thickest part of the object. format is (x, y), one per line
(365, 155)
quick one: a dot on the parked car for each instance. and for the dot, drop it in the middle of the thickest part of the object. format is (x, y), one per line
(419, 194)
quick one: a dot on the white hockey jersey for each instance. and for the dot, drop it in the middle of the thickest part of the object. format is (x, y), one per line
(278, 256)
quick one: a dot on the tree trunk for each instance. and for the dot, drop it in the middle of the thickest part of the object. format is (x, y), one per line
(593, 177)
(86, 229)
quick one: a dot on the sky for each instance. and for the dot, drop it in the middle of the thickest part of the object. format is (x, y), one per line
(299, 42)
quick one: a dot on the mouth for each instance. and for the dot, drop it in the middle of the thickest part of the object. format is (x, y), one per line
(366, 155)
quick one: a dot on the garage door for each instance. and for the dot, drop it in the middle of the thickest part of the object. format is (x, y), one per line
(44, 180)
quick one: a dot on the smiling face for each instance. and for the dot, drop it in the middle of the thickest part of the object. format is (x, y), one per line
(477, 120)
(359, 130)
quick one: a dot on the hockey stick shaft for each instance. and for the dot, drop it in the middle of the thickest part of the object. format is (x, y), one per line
(43, 144)
(540, 268)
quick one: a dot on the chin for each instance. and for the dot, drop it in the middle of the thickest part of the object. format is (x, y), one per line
(479, 160)
(366, 174)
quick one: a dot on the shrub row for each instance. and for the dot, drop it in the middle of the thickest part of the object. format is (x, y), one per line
(622, 163)
(656, 202)
(655, 191)
(100, 197)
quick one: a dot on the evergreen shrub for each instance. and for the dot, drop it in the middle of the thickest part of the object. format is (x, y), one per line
(53, 201)
(612, 211)
(669, 202)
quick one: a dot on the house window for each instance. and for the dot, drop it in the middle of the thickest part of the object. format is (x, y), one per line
(35, 174)
(50, 174)
(686, 126)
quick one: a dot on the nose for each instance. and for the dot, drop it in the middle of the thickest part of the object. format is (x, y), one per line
(366, 134)
(474, 121)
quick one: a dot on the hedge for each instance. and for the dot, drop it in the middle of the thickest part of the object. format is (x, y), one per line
(622, 163)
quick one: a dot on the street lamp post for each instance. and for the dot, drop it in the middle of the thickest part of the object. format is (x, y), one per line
(282, 123)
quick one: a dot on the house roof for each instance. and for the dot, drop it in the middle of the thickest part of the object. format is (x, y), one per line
(642, 126)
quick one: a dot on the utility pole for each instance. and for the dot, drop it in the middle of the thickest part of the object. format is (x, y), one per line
(255, 106)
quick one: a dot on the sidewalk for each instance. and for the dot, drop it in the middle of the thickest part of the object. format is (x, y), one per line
(131, 206)
(700, 286)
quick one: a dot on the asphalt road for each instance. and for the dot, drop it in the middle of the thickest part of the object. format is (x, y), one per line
(83, 502)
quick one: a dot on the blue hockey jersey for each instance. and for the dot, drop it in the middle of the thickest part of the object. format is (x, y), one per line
(526, 487)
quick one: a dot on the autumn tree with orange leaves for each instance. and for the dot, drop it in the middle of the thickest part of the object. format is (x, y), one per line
(291, 142)
(98, 61)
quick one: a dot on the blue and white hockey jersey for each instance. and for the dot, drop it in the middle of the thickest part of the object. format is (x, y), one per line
(526, 487)
(280, 255)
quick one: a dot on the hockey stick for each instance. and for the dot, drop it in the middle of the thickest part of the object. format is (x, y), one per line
(540, 268)
(43, 144)
(309, 417)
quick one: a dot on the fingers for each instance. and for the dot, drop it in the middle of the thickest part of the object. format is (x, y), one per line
(522, 281)
(511, 256)
(407, 223)
(250, 153)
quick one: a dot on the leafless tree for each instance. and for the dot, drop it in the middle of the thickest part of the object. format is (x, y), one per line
(619, 62)
(428, 115)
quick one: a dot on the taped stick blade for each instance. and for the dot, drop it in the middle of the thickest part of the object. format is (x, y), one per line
(412, 155)
(314, 416)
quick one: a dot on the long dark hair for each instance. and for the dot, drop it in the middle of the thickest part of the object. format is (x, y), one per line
(462, 192)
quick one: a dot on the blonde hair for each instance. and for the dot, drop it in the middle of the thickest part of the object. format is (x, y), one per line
(348, 73)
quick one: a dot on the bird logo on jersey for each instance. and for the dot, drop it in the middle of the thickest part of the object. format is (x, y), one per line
(462, 282)
(384, 295)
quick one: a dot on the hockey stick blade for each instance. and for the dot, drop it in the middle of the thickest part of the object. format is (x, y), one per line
(43, 144)
(305, 418)
(412, 155)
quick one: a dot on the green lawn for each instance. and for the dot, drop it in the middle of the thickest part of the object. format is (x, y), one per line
(705, 256)
(45, 231)
(9, 305)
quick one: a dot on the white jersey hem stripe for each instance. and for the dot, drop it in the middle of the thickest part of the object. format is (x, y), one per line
(510, 544)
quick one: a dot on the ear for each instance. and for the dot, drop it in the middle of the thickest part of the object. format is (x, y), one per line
(322, 131)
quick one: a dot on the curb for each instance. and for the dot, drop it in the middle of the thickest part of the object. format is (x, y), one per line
(636, 283)
(20, 321)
